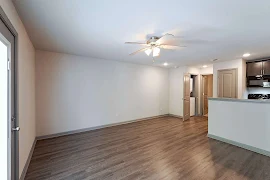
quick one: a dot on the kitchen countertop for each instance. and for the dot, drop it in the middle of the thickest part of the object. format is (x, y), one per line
(241, 100)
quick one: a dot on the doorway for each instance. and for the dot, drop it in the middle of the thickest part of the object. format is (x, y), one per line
(190, 97)
(207, 91)
(8, 123)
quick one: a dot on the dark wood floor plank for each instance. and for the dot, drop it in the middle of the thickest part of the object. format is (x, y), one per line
(162, 148)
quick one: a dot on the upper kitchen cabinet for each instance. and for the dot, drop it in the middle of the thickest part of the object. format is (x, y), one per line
(266, 67)
(258, 68)
(254, 68)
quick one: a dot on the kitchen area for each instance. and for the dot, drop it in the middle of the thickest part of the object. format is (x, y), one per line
(244, 121)
(258, 79)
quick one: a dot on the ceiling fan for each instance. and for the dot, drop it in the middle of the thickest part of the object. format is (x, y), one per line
(154, 45)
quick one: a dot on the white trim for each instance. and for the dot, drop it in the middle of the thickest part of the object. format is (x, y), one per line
(176, 116)
(94, 128)
(244, 146)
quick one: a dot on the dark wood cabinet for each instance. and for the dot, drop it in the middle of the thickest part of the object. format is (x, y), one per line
(258, 73)
(254, 68)
(266, 67)
(258, 68)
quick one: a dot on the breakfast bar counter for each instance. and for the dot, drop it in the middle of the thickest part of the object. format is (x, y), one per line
(241, 122)
(241, 100)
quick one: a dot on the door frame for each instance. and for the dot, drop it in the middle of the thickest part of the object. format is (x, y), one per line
(236, 80)
(15, 145)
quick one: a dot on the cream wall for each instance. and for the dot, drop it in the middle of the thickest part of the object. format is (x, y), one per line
(26, 84)
(74, 92)
(207, 70)
(239, 64)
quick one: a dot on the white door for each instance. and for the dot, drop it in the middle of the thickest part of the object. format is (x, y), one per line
(8, 130)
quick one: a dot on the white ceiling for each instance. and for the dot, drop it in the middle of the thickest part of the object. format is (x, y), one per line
(223, 29)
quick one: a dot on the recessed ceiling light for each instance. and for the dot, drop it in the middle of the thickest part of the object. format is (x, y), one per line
(165, 64)
(204, 66)
(246, 55)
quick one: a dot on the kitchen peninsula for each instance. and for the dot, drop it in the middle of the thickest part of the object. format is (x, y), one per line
(241, 122)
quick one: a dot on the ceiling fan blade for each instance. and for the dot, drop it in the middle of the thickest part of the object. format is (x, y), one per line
(136, 43)
(162, 37)
(167, 34)
(168, 46)
(178, 36)
(171, 45)
(196, 41)
(140, 50)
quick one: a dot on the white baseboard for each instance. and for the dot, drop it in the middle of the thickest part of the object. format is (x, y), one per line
(241, 145)
(96, 127)
(176, 116)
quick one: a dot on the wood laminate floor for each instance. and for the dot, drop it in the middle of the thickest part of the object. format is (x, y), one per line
(162, 148)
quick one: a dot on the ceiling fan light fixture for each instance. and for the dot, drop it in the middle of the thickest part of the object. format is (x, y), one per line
(148, 51)
(153, 45)
(156, 52)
